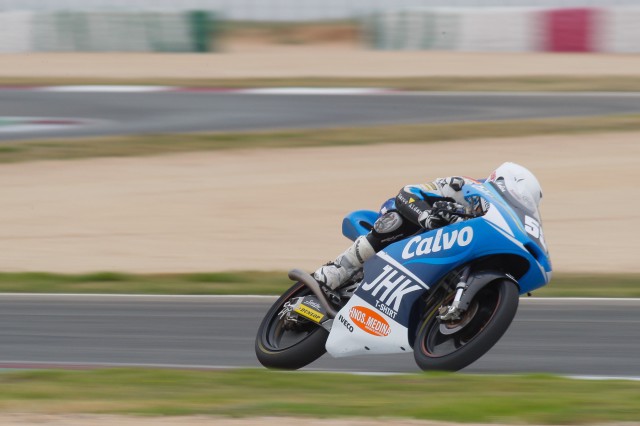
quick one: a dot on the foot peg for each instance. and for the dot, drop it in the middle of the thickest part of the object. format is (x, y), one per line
(332, 295)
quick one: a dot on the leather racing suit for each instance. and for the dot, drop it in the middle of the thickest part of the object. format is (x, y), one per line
(416, 207)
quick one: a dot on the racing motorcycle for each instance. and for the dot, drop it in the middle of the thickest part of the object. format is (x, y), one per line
(447, 294)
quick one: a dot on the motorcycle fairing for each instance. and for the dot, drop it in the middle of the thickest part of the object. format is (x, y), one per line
(359, 329)
(372, 314)
(358, 223)
(391, 286)
(521, 233)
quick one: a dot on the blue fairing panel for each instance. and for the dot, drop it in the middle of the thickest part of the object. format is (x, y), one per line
(358, 223)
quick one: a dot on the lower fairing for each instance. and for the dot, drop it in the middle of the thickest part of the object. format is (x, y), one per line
(359, 328)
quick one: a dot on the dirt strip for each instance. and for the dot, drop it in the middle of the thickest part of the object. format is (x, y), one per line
(281, 208)
(107, 420)
(281, 61)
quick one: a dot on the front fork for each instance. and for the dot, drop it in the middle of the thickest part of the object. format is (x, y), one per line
(453, 311)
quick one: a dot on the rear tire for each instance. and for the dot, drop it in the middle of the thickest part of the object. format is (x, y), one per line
(454, 345)
(277, 347)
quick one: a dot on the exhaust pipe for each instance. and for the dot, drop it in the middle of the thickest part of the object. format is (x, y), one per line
(312, 284)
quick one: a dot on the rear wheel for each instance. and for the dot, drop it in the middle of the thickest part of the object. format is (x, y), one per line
(282, 343)
(453, 345)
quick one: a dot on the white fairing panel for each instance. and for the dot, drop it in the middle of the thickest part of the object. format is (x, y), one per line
(494, 216)
(360, 329)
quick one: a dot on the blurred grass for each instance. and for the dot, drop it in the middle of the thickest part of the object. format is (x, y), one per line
(499, 84)
(154, 144)
(591, 285)
(246, 282)
(530, 399)
(269, 283)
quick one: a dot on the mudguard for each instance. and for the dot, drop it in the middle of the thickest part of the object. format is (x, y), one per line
(479, 280)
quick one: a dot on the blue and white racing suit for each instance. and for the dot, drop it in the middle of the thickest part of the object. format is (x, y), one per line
(410, 212)
(402, 219)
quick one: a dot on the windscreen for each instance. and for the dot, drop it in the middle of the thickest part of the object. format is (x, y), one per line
(527, 211)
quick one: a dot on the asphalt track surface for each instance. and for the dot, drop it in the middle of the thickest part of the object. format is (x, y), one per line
(570, 337)
(169, 112)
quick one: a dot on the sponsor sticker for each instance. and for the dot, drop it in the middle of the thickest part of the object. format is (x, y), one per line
(312, 304)
(389, 287)
(346, 323)
(309, 313)
(369, 321)
(442, 241)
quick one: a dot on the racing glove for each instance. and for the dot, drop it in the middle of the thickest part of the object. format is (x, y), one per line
(442, 213)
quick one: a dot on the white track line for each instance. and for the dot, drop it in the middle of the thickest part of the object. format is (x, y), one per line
(270, 297)
(353, 91)
(16, 365)
(103, 89)
(313, 91)
(578, 299)
(12, 364)
(193, 297)
(516, 94)
(249, 91)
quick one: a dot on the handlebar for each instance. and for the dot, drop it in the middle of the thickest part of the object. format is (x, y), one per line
(459, 213)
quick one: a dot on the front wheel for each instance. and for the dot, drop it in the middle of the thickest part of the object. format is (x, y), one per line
(285, 344)
(453, 345)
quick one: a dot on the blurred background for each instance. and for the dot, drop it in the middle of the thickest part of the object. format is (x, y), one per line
(162, 70)
(209, 25)
(208, 146)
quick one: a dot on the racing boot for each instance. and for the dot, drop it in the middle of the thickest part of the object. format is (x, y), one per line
(334, 274)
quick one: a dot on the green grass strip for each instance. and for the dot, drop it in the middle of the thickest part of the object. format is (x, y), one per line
(592, 285)
(500, 84)
(268, 283)
(121, 283)
(152, 144)
(531, 399)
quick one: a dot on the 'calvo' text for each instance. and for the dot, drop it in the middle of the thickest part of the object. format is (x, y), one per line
(420, 245)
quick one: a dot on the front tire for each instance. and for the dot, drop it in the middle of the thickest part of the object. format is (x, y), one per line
(451, 346)
(279, 347)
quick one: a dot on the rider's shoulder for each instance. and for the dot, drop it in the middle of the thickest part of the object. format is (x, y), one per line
(452, 182)
(455, 183)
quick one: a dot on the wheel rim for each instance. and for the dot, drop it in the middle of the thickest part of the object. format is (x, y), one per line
(444, 338)
(278, 336)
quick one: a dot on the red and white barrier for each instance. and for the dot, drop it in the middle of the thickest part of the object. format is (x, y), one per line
(570, 30)
(615, 30)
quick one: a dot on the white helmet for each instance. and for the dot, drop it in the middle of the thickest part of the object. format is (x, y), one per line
(519, 182)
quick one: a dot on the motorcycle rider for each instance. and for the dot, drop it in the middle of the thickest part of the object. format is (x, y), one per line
(425, 206)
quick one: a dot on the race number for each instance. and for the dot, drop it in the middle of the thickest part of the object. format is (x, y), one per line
(534, 229)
